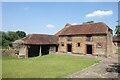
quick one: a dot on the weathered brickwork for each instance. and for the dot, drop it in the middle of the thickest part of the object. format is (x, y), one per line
(64, 41)
(109, 44)
(99, 39)
(93, 38)
(75, 41)
(103, 39)
(89, 38)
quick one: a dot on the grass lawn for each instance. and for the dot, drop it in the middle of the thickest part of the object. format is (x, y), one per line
(48, 66)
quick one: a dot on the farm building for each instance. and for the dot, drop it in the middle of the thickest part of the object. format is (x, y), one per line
(89, 38)
(36, 45)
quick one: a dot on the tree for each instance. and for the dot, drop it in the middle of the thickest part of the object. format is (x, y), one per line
(6, 38)
(3, 40)
(0, 38)
(117, 30)
(21, 34)
(88, 22)
(12, 36)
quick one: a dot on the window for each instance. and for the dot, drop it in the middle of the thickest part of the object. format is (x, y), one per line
(62, 43)
(61, 37)
(69, 38)
(99, 45)
(89, 37)
(78, 44)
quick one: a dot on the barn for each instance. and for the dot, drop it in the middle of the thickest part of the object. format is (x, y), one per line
(84, 39)
(36, 45)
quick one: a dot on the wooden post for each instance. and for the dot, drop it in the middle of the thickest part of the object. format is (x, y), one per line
(26, 56)
(40, 51)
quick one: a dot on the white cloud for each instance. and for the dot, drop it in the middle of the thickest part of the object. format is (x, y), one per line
(74, 23)
(99, 13)
(26, 8)
(50, 26)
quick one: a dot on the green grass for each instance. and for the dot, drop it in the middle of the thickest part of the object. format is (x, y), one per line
(48, 66)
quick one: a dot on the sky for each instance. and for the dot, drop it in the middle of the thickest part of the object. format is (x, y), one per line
(50, 17)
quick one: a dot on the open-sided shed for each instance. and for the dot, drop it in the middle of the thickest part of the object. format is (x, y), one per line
(36, 45)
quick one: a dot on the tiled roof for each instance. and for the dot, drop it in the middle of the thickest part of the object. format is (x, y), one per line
(40, 39)
(19, 41)
(89, 28)
(59, 32)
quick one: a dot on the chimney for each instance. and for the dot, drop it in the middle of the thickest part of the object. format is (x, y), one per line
(67, 25)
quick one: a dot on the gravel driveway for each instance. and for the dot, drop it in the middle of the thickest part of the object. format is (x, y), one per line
(107, 68)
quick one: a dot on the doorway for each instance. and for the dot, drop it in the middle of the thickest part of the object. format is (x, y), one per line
(69, 47)
(89, 49)
(45, 49)
(33, 50)
(56, 48)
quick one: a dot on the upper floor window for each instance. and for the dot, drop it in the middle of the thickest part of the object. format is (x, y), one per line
(89, 37)
(69, 38)
(61, 37)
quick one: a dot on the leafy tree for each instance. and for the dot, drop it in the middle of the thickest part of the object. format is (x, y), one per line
(0, 38)
(117, 30)
(3, 40)
(88, 22)
(12, 36)
(21, 34)
(6, 38)
(5, 43)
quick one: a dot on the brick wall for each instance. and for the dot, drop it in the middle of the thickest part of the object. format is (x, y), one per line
(11, 52)
(75, 41)
(102, 40)
(114, 48)
(109, 44)
(82, 40)
(62, 40)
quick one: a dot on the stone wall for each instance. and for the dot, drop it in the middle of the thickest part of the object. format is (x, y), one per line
(114, 48)
(109, 44)
(82, 40)
(64, 41)
(102, 40)
(23, 51)
(11, 52)
(52, 49)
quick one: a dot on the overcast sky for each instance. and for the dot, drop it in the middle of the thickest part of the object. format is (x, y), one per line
(48, 18)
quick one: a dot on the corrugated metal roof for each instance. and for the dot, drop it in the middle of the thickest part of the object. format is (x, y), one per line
(89, 28)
